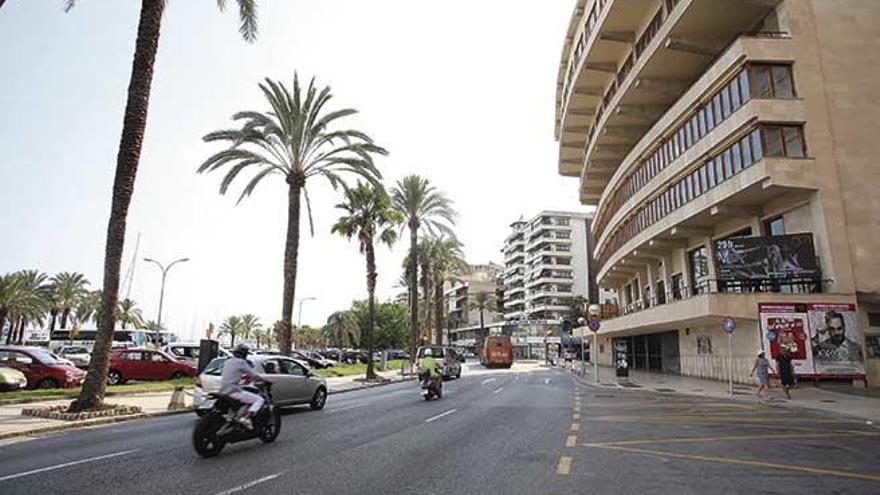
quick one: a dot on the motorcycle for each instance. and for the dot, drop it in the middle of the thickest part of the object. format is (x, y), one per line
(219, 424)
(432, 387)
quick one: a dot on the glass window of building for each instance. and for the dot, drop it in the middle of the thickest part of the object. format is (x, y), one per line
(710, 118)
(676, 286)
(728, 165)
(716, 106)
(744, 89)
(757, 148)
(725, 102)
(719, 169)
(773, 141)
(762, 84)
(735, 100)
(746, 145)
(710, 174)
(736, 156)
(698, 263)
(774, 226)
(701, 123)
(782, 81)
(794, 143)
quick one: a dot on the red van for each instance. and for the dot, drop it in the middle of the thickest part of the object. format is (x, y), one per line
(146, 364)
(497, 351)
(41, 368)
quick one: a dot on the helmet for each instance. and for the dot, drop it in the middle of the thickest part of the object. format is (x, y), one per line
(428, 352)
(241, 351)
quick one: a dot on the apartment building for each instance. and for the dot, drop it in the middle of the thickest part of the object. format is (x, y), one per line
(729, 146)
(461, 294)
(546, 266)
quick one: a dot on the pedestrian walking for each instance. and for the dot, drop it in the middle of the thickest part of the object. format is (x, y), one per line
(761, 372)
(786, 371)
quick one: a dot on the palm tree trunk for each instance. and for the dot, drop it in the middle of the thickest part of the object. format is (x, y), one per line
(3, 314)
(20, 334)
(291, 251)
(426, 293)
(371, 291)
(134, 124)
(413, 289)
(438, 307)
(232, 339)
(65, 314)
(52, 321)
(482, 328)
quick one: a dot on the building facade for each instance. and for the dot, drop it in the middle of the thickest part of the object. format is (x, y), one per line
(461, 296)
(728, 148)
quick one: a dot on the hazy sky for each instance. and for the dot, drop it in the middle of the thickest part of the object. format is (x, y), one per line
(460, 91)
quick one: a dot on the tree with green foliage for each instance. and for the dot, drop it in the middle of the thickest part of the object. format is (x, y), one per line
(295, 141)
(369, 216)
(233, 326)
(482, 301)
(129, 314)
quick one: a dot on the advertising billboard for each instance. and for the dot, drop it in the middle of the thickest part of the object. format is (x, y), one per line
(776, 257)
(823, 339)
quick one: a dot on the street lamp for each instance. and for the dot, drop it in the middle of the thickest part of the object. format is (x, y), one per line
(300, 316)
(162, 290)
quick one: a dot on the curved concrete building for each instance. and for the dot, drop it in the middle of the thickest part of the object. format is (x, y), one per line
(729, 148)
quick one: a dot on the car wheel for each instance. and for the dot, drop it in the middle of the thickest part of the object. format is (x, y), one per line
(47, 383)
(114, 377)
(458, 375)
(319, 400)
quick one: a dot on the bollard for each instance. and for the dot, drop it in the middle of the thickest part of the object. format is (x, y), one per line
(177, 399)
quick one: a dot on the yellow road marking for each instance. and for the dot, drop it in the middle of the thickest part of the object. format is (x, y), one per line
(729, 438)
(576, 416)
(575, 427)
(571, 441)
(564, 466)
(745, 462)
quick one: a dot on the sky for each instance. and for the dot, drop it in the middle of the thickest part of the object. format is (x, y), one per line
(460, 91)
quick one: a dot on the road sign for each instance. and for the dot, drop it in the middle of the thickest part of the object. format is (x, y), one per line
(593, 325)
(728, 324)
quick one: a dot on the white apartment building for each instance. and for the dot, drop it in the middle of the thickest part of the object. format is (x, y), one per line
(546, 265)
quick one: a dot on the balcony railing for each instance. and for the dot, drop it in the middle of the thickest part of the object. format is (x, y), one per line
(809, 285)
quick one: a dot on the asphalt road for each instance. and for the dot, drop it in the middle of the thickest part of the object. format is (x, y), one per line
(536, 431)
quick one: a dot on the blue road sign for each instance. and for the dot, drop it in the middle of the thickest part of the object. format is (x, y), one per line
(593, 325)
(728, 324)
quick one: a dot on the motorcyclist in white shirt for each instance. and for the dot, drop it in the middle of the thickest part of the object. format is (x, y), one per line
(234, 370)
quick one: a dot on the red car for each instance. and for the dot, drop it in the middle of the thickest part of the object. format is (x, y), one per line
(146, 364)
(41, 367)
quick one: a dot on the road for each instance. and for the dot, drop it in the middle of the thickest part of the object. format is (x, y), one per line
(521, 431)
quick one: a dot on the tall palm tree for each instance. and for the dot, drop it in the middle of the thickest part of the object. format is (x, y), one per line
(251, 327)
(70, 287)
(482, 301)
(88, 308)
(9, 292)
(447, 263)
(421, 205)
(233, 327)
(28, 303)
(127, 159)
(337, 327)
(129, 314)
(369, 216)
(295, 141)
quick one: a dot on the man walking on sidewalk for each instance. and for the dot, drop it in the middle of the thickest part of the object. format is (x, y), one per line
(786, 371)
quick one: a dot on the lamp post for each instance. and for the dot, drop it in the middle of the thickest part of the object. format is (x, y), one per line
(162, 289)
(300, 316)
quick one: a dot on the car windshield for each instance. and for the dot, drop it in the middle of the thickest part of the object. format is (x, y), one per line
(437, 352)
(44, 357)
(74, 350)
(215, 367)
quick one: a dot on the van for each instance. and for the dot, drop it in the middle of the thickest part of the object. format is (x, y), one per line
(447, 358)
(497, 351)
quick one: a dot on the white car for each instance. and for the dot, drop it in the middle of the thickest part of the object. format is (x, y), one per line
(293, 383)
(189, 352)
(76, 354)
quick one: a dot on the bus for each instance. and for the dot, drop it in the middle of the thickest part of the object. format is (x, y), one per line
(497, 351)
(86, 338)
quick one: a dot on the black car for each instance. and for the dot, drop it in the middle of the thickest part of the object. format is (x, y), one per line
(313, 359)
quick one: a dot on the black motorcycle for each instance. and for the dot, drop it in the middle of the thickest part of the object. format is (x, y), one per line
(432, 387)
(220, 425)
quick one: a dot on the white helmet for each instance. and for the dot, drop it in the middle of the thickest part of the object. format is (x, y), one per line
(427, 352)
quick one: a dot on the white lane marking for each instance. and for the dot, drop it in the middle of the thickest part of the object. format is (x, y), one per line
(499, 390)
(447, 413)
(546, 381)
(252, 483)
(67, 464)
(487, 380)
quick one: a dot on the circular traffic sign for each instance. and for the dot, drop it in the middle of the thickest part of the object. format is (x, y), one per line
(593, 325)
(728, 324)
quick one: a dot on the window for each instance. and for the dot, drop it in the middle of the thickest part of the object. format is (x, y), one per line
(289, 367)
(782, 85)
(157, 357)
(710, 118)
(704, 181)
(774, 226)
(772, 81)
(794, 143)
(746, 145)
(132, 356)
(728, 166)
(271, 367)
(737, 158)
(716, 107)
(744, 86)
(757, 148)
(701, 123)
(698, 187)
(735, 100)
(719, 170)
(762, 85)
(773, 141)
(676, 286)
(725, 102)
(698, 263)
(689, 192)
(710, 174)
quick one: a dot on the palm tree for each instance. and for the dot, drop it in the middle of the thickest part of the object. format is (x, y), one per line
(421, 205)
(88, 308)
(294, 141)
(129, 314)
(251, 327)
(338, 326)
(27, 303)
(70, 287)
(233, 327)
(482, 301)
(369, 216)
(448, 262)
(9, 292)
(134, 124)
(153, 326)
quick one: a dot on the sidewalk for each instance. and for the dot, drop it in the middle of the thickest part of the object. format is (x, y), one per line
(13, 424)
(861, 403)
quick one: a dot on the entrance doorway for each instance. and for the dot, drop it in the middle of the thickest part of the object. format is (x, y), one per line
(657, 352)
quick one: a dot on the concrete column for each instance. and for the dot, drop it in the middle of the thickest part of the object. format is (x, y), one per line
(652, 291)
(713, 285)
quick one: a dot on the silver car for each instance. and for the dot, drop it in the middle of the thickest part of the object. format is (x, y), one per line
(76, 354)
(293, 383)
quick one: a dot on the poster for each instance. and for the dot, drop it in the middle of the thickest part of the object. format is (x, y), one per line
(785, 326)
(834, 339)
(758, 258)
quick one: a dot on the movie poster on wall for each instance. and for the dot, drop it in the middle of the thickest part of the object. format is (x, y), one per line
(834, 339)
(785, 326)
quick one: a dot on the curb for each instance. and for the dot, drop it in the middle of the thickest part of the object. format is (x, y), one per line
(88, 423)
(372, 385)
(28, 400)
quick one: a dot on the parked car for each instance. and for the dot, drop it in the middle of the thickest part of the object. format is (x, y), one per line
(188, 352)
(332, 353)
(77, 354)
(293, 383)
(11, 379)
(146, 364)
(448, 360)
(398, 354)
(313, 359)
(41, 368)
